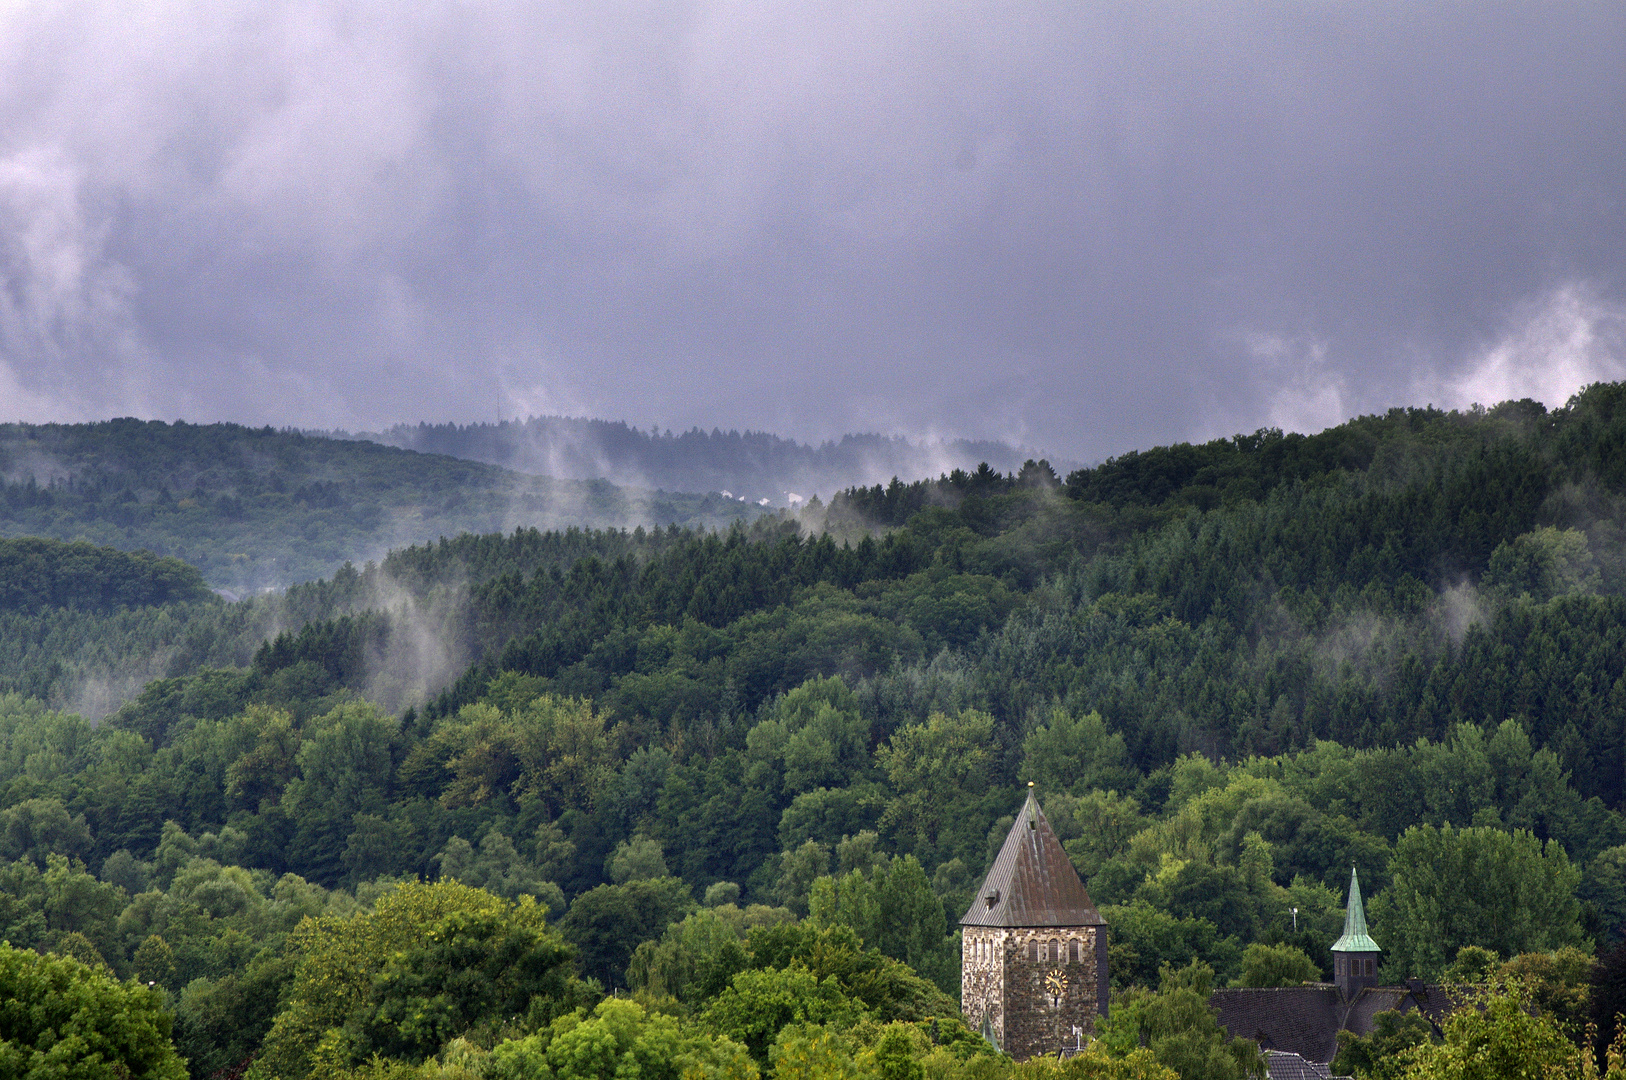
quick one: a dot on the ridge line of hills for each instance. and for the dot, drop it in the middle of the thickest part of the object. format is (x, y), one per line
(697, 763)
(752, 465)
(255, 508)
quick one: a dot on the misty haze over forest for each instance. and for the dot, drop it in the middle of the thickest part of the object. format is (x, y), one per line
(752, 466)
(551, 541)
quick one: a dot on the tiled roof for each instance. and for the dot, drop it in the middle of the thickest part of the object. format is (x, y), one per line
(1032, 882)
(1437, 1001)
(1305, 1020)
(1301, 1020)
(1373, 1000)
(1281, 1065)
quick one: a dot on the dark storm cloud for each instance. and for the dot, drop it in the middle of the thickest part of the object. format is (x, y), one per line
(1085, 227)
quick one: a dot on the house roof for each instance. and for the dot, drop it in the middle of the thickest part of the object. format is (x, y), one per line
(1032, 882)
(1355, 938)
(1305, 1020)
(1281, 1065)
(1302, 1020)
(1363, 1011)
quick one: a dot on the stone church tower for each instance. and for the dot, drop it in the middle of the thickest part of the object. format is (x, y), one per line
(1033, 950)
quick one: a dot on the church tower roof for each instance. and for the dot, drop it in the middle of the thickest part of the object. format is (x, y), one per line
(1355, 938)
(1032, 882)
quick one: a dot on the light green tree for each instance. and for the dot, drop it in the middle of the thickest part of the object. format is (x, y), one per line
(65, 1020)
(758, 1004)
(1504, 891)
(620, 1040)
(1276, 965)
(1095, 1062)
(692, 962)
(1076, 754)
(1499, 1038)
(1176, 1024)
(637, 859)
(1543, 563)
(1378, 1055)
(936, 769)
(342, 963)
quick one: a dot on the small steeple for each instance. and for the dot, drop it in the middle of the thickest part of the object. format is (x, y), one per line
(1355, 938)
(1355, 954)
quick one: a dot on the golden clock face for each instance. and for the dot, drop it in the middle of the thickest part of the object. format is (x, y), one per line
(1056, 982)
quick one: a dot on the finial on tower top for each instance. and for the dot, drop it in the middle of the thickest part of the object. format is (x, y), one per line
(1030, 783)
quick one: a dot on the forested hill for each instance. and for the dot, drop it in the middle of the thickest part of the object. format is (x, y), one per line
(258, 507)
(38, 574)
(752, 465)
(769, 765)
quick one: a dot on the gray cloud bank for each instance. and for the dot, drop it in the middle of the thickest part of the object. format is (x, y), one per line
(1083, 227)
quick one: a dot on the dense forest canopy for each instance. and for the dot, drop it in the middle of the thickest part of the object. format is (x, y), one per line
(37, 574)
(255, 507)
(752, 776)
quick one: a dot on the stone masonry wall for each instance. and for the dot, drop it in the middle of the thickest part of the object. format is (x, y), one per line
(1038, 987)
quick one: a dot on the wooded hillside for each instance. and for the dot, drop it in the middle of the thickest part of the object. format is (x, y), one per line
(751, 464)
(728, 763)
(254, 508)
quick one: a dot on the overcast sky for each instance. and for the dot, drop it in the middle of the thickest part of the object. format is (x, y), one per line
(1083, 226)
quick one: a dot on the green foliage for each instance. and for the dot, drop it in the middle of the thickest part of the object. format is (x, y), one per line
(813, 737)
(637, 859)
(1146, 939)
(220, 1021)
(1504, 891)
(694, 960)
(1380, 1055)
(1076, 754)
(496, 867)
(759, 1003)
(1500, 1037)
(1096, 1062)
(892, 907)
(1276, 965)
(938, 769)
(887, 989)
(470, 977)
(1175, 1023)
(1473, 964)
(60, 1018)
(261, 507)
(36, 574)
(1542, 564)
(1559, 986)
(430, 963)
(620, 1039)
(607, 923)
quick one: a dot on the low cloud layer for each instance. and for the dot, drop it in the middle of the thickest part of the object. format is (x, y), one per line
(1079, 227)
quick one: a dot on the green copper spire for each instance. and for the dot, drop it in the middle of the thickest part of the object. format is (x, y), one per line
(1355, 938)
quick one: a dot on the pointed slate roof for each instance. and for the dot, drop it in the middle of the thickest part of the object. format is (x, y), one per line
(1355, 938)
(1032, 882)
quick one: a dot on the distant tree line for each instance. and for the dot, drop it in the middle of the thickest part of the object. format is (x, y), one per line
(752, 777)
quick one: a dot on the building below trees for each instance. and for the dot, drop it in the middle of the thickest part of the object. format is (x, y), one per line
(1305, 1020)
